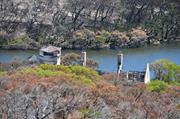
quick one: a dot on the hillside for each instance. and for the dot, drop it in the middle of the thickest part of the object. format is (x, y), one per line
(75, 92)
(30, 24)
(76, 88)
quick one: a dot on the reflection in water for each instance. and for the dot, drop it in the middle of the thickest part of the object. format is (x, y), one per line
(134, 59)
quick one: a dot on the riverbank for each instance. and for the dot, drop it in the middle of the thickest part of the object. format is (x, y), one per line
(84, 39)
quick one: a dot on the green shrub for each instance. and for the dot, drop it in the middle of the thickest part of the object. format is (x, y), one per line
(106, 34)
(100, 38)
(178, 106)
(87, 81)
(43, 73)
(1, 69)
(166, 70)
(91, 113)
(20, 42)
(88, 72)
(3, 42)
(103, 37)
(157, 86)
(77, 74)
(78, 70)
(41, 38)
(80, 79)
(55, 68)
(2, 73)
(175, 83)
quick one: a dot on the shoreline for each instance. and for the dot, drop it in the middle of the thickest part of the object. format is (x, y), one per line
(135, 59)
(93, 49)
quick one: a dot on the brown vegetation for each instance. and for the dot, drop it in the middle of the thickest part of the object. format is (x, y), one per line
(79, 92)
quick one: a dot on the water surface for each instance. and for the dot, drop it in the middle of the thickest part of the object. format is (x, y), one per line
(134, 59)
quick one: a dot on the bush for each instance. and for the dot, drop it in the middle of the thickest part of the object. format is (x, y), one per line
(175, 83)
(43, 73)
(3, 42)
(81, 79)
(157, 86)
(55, 68)
(100, 38)
(106, 34)
(2, 73)
(88, 72)
(103, 36)
(75, 74)
(89, 113)
(178, 106)
(166, 70)
(86, 39)
(20, 42)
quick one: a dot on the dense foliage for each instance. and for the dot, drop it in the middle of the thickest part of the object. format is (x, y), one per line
(54, 22)
(76, 74)
(167, 74)
(166, 70)
(157, 86)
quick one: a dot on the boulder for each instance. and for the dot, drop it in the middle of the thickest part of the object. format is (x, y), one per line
(33, 59)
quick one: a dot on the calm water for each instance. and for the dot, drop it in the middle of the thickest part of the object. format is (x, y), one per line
(134, 59)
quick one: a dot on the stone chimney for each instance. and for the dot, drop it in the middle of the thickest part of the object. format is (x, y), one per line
(120, 61)
(83, 58)
(59, 57)
(147, 77)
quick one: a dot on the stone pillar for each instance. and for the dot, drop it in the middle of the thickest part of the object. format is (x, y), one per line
(83, 58)
(119, 66)
(127, 75)
(59, 57)
(147, 77)
(119, 61)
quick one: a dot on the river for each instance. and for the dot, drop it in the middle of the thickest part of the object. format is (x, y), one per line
(134, 59)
